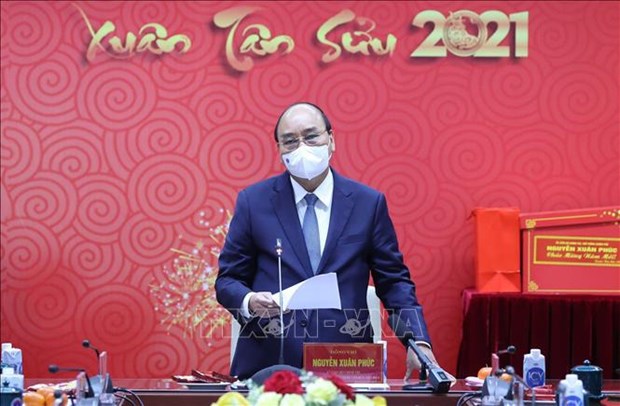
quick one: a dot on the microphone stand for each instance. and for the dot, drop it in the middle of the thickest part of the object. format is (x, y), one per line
(423, 384)
(281, 304)
(101, 382)
(437, 377)
(511, 371)
(97, 380)
(260, 376)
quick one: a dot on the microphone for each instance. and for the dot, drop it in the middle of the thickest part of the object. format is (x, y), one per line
(53, 368)
(102, 383)
(281, 304)
(262, 375)
(279, 247)
(86, 344)
(437, 377)
(511, 349)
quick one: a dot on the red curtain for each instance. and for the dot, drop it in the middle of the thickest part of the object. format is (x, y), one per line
(567, 328)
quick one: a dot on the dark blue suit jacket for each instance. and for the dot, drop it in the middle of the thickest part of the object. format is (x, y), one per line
(361, 241)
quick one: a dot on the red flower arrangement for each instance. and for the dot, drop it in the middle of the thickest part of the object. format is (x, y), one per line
(342, 386)
(286, 388)
(284, 382)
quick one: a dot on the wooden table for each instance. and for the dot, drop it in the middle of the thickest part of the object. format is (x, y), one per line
(156, 392)
(160, 392)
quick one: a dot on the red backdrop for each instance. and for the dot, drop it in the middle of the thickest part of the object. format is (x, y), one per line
(109, 164)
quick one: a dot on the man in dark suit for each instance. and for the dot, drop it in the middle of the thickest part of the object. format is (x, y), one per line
(327, 223)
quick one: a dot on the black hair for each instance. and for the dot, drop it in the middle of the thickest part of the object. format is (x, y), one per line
(328, 125)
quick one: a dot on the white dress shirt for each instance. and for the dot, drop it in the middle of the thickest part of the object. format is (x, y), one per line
(323, 206)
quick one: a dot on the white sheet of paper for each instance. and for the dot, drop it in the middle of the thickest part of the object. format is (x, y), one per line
(318, 292)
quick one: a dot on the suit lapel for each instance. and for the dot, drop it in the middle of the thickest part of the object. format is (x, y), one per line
(342, 206)
(283, 201)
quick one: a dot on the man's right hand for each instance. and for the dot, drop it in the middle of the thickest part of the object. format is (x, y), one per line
(261, 304)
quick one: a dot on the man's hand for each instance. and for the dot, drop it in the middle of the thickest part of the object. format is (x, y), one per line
(413, 363)
(261, 304)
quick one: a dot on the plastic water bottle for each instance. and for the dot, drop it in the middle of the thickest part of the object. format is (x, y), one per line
(570, 391)
(534, 368)
(12, 358)
(12, 379)
(10, 396)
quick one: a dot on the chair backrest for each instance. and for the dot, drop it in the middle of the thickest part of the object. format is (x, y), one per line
(374, 308)
(235, 327)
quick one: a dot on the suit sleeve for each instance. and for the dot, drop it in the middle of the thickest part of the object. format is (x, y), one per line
(392, 279)
(237, 260)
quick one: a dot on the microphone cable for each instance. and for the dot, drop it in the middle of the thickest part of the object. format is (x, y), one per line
(467, 396)
(125, 398)
(131, 393)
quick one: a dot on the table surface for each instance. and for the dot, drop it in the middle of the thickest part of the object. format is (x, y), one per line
(155, 392)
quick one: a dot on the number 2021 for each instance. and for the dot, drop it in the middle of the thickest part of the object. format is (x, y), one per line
(488, 47)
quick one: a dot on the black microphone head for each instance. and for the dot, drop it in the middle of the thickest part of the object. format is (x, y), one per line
(511, 349)
(53, 368)
(86, 344)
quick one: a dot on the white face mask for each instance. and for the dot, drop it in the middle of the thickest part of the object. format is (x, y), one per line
(307, 162)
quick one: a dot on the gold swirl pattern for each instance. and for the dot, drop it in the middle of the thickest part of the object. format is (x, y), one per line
(116, 96)
(115, 315)
(33, 34)
(41, 309)
(164, 354)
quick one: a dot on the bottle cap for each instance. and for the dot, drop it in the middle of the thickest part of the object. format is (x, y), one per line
(571, 378)
(8, 371)
(6, 346)
(535, 352)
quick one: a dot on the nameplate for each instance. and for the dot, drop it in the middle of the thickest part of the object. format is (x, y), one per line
(354, 363)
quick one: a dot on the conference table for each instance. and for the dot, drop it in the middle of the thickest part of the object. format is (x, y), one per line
(167, 392)
(160, 392)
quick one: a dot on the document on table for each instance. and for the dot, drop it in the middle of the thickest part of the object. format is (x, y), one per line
(318, 292)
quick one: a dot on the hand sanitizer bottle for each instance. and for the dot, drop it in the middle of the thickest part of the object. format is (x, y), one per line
(534, 368)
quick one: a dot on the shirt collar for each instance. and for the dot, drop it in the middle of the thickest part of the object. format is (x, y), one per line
(325, 191)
